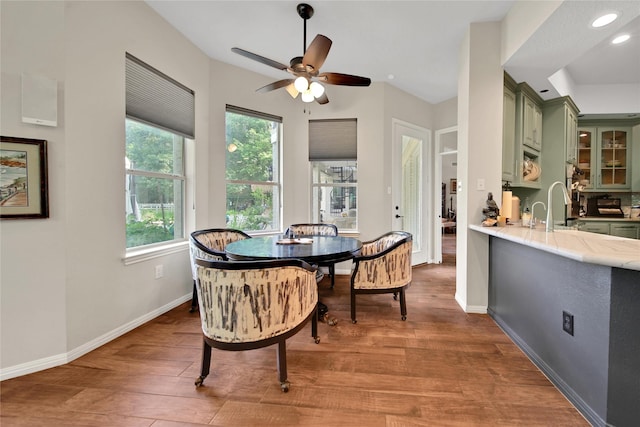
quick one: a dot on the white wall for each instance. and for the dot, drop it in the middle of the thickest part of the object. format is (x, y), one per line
(480, 86)
(32, 252)
(65, 288)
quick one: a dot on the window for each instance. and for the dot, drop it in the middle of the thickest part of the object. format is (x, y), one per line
(332, 153)
(160, 116)
(335, 198)
(252, 170)
(154, 185)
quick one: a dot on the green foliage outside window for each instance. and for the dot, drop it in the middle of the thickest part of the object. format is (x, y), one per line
(251, 166)
(154, 183)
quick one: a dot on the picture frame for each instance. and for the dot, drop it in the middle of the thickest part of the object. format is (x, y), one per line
(453, 186)
(24, 192)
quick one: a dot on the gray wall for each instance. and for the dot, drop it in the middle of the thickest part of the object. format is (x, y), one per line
(598, 368)
(528, 290)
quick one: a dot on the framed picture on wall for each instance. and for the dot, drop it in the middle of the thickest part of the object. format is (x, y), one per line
(23, 178)
(454, 186)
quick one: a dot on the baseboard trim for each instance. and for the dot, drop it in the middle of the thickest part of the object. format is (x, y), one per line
(475, 309)
(63, 358)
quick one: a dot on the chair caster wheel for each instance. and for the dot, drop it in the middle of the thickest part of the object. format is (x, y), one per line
(354, 321)
(317, 340)
(284, 386)
(404, 317)
(199, 381)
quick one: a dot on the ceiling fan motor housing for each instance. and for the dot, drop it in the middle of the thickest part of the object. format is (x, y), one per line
(305, 11)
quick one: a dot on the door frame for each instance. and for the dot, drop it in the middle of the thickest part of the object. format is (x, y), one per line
(437, 189)
(426, 244)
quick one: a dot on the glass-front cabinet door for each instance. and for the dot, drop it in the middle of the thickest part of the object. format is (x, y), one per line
(613, 156)
(604, 157)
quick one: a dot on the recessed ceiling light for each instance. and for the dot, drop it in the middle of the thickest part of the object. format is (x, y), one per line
(391, 76)
(604, 20)
(621, 39)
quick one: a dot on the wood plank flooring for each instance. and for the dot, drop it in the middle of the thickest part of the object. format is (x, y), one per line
(442, 367)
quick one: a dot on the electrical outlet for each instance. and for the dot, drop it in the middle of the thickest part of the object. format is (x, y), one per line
(567, 322)
(159, 271)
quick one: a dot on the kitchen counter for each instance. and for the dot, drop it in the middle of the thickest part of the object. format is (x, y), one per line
(569, 300)
(581, 246)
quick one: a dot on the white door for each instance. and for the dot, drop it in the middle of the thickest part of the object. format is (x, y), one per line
(411, 188)
(444, 171)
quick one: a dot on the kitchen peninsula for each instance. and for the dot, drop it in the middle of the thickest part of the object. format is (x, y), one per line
(571, 301)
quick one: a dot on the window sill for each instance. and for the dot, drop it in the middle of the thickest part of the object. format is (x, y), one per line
(139, 255)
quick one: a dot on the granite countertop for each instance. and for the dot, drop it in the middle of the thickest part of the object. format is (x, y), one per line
(578, 245)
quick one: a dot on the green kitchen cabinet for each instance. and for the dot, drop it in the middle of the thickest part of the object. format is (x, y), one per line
(509, 130)
(594, 227)
(604, 155)
(629, 231)
(521, 156)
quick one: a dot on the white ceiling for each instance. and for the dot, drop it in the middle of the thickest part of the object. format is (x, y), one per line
(415, 41)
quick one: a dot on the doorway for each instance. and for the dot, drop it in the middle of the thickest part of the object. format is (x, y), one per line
(445, 198)
(411, 188)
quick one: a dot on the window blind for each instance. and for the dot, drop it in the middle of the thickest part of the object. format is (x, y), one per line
(252, 113)
(334, 139)
(156, 99)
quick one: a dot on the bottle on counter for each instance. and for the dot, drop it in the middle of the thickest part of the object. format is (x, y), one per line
(526, 213)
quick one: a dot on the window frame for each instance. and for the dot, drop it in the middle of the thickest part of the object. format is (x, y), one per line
(276, 173)
(172, 177)
(318, 186)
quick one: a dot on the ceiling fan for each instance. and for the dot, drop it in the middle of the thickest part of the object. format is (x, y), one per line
(306, 69)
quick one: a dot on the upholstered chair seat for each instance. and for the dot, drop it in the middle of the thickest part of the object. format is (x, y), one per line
(383, 266)
(246, 305)
(308, 230)
(210, 244)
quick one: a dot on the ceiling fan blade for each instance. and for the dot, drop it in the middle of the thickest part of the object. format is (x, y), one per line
(344, 79)
(317, 52)
(292, 90)
(323, 99)
(275, 85)
(256, 57)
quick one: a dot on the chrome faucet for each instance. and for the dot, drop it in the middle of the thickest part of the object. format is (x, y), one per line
(567, 200)
(533, 218)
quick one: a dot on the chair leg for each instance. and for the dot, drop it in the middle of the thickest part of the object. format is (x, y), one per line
(206, 363)
(332, 273)
(403, 305)
(353, 306)
(194, 299)
(282, 365)
(314, 326)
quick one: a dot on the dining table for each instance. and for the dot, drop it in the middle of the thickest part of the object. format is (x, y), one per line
(312, 249)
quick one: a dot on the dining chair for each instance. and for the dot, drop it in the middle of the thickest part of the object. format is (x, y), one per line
(246, 305)
(307, 230)
(209, 244)
(383, 266)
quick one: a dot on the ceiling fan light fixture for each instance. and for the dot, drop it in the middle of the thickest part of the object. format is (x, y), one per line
(301, 84)
(307, 96)
(316, 89)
